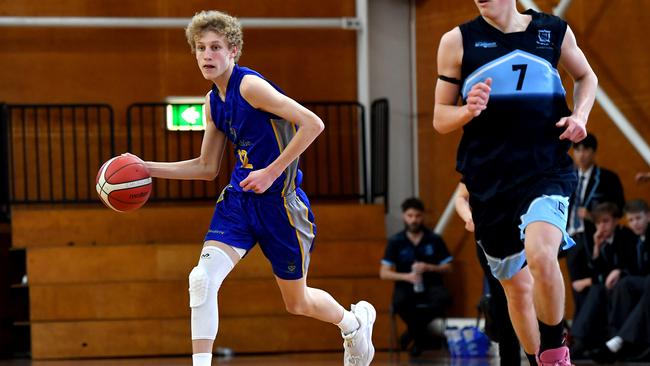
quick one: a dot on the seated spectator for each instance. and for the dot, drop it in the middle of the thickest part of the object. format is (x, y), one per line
(628, 314)
(416, 259)
(608, 260)
(595, 185)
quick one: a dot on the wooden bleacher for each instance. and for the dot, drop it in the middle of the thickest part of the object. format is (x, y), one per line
(103, 284)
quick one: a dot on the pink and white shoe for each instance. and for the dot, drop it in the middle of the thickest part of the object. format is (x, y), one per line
(554, 357)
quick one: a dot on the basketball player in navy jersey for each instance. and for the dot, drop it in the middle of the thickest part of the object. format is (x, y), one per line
(517, 129)
(263, 202)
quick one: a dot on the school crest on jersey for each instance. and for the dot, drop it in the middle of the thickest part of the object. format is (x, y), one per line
(544, 37)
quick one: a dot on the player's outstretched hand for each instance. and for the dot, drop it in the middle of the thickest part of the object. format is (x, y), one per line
(258, 181)
(478, 96)
(574, 128)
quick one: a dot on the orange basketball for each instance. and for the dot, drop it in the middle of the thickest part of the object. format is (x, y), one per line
(124, 183)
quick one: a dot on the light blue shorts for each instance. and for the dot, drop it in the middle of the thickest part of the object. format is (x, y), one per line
(553, 209)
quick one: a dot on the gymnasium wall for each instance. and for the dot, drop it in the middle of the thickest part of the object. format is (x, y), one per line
(124, 66)
(611, 34)
(121, 66)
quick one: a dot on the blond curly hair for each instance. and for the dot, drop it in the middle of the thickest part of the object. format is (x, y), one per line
(218, 22)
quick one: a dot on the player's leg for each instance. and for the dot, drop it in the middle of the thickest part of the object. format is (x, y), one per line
(543, 227)
(519, 292)
(286, 234)
(227, 241)
(542, 245)
(356, 325)
(504, 251)
(312, 302)
(501, 325)
(215, 263)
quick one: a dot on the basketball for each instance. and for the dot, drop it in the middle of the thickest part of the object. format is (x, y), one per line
(123, 183)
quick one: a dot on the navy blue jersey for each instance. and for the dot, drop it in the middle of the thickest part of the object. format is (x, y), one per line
(514, 140)
(402, 253)
(259, 137)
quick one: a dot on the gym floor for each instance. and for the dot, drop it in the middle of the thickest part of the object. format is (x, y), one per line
(436, 358)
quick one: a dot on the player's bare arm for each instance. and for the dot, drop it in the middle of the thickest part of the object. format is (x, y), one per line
(447, 115)
(461, 202)
(204, 167)
(260, 94)
(584, 91)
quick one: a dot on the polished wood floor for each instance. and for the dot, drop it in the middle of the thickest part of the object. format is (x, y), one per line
(303, 359)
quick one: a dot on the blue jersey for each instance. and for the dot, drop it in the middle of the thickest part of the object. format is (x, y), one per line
(258, 136)
(514, 141)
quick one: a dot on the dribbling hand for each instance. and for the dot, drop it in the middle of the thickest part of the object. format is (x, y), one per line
(478, 97)
(131, 155)
(574, 128)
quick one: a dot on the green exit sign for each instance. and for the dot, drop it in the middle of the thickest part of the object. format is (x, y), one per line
(185, 114)
(185, 117)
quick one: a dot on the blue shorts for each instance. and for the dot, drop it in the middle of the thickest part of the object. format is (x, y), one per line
(283, 226)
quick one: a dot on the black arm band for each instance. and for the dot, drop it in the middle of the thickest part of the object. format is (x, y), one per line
(449, 80)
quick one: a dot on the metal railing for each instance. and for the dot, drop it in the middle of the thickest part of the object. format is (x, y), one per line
(54, 150)
(334, 166)
(379, 132)
(339, 153)
(148, 138)
(5, 197)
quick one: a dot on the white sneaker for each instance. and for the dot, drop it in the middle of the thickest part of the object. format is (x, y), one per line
(359, 350)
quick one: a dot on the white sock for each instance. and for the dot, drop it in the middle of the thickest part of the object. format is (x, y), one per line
(202, 359)
(615, 344)
(349, 323)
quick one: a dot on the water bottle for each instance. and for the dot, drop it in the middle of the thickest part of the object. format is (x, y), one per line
(418, 286)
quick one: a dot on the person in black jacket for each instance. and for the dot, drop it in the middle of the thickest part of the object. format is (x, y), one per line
(628, 303)
(595, 185)
(608, 260)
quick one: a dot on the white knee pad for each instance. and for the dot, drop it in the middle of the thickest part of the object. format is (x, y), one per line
(205, 280)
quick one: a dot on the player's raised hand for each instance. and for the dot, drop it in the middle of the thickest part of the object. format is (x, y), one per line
(574, 128)
(258, 181)
(478, 96)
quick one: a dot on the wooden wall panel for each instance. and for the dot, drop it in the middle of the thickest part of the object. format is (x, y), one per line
(124, 66)
(121, 66)
(169, 299)
(84, 296)
(612, 36)
(97, 264)
(171, 336)
(171, 223)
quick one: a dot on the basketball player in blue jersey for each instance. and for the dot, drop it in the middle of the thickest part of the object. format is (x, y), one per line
(263, 202)
(517, 129)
